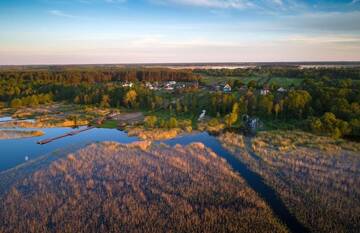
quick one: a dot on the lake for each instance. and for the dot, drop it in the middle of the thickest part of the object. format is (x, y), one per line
(14, 151)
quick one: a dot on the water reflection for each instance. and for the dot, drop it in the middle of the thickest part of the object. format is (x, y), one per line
(13, 151)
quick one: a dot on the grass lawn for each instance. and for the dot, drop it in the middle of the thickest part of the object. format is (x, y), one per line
(109, 124)
(210, 80)
(286, 82)
(273, 124)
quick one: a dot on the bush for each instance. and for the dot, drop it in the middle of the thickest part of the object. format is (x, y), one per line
(329, 125)
(15, 103)
(213, 122)
(150, 121)
(172, 123)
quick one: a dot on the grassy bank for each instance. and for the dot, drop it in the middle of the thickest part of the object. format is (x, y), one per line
(15, 134)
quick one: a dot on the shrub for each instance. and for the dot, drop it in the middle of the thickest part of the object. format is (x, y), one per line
(150, 121)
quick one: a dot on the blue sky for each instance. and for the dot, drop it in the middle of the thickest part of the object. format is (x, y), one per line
(150, 31)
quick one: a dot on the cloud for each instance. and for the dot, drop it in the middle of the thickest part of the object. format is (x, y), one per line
(325, 21)
(225, 4)
(278, 2)
(60, 13)
(268, 6)
(115, 1)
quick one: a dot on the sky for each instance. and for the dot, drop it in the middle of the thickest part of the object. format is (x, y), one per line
(173, 31)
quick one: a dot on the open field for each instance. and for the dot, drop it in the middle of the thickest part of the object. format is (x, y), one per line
(286, 82)
(110, 187)
(211, 80)
(316, 177)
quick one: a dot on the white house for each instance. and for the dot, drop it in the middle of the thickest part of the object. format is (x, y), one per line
(227, 88)
(149, 86)
(128, 84)
(169, 88)
(281, 90)
(202, 115)
(264, 91)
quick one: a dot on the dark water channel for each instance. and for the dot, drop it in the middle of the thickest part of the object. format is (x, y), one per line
(254, 180)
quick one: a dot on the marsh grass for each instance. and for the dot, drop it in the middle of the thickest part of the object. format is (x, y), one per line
(15, 134)
(110, 187)
(317, 177)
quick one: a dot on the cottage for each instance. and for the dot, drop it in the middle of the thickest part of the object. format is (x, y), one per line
(202, 115)
(149, 86)
(264, 91)
(281, 90)
(227, 88)
(128, 84)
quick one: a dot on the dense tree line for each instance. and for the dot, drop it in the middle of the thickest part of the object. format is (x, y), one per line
(327, 105)
(285, 72)
(15, 83)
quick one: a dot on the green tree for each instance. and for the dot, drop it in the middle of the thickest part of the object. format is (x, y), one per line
(16, 103)
(230, 119)
(150, 121)
(315, 125)
(34, 101)
(130, 98)
(297, 101)
(105, 101)
(277, 109)
(265, 105)
(172, 123)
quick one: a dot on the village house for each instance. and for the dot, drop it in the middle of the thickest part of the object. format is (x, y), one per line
(265, 91)
(128, 84)
(281, 90)
(170, 86)
(227, 88)
(149, 86)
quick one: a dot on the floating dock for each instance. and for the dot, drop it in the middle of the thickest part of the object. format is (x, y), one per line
(72, 133)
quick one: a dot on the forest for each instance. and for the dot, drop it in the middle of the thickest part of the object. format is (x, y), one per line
(325, 102)
(285, 72)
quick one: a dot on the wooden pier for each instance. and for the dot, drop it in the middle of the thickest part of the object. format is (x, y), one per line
(72, 133)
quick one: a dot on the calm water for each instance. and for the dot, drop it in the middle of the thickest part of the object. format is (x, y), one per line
(14, 151)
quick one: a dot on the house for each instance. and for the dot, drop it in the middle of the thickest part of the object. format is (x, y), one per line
(128, 84)
(281, 90)
(202, 115)
(149, 86)
(180, 86)
(169, 88)
(264, 91)
(227, 88)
